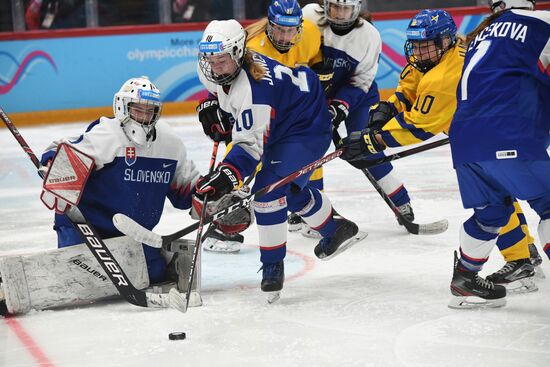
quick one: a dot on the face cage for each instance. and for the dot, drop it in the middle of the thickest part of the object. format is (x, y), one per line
(224, 79)
(339, 23)
(133, 106)
(280, 46)
(428, 62)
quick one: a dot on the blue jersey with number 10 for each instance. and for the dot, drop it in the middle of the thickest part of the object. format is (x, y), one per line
(504, 94)
(287, 105)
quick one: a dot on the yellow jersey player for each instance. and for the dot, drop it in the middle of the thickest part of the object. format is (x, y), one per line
(423, 106)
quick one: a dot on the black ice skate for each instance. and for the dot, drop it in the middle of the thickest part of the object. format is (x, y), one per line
(536, 260)
(273, 277)
(3, 305)
(347, 234)
(216, 241)
(295, 222)
(472, 291)
(516, 276)
(407, 212)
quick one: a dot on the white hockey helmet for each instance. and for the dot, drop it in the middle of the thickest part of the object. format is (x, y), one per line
(137, 106)
(338, 22)
(498, 5)
(222, 37)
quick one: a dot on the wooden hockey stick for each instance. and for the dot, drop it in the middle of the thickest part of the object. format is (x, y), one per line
(100, 251)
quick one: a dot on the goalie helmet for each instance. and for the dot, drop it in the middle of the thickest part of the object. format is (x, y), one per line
(342, 14)
(284, 27)
(137, 106)
(498, 5)
(429, 35)
(219, 38)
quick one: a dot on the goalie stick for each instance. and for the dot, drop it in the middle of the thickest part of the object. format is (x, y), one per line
(100, 251)
(411, 227)
(134, 230)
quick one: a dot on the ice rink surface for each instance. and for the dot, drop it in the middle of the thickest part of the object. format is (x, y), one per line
(382, 303)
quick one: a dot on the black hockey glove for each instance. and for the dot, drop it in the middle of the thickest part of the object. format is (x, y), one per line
(380, 114)
(361, 143)
(214, 124)
(325, 72)
(338, 111)
(218, 183)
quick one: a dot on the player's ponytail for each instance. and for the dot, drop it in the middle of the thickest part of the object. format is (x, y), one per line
(256, 28)
(473, 34)
(256, 69)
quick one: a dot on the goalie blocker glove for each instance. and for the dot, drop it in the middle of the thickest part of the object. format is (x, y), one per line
(380, 114)
(214, 124)
(361, 143)
(218, 183)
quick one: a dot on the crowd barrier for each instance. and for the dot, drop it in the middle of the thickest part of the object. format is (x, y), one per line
(71, 75)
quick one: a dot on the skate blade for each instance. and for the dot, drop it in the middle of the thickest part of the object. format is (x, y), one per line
(539, 274)
(521, 286)
(295, 227)
(311, 233)
(224, 247)
(222, 250)
(273, 297)
(472, 302)
(360, 236)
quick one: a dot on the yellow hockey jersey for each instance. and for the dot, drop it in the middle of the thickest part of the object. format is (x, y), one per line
(426, 102)
(303, 53)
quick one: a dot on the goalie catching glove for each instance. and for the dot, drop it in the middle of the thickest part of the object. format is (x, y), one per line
(218, 183)
(361, 143)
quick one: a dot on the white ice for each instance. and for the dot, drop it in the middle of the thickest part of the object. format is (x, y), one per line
(382, 303)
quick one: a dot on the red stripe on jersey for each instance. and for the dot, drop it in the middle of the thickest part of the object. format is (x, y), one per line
(544, 70)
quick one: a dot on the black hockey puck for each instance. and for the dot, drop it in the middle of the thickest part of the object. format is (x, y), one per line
(178, 335)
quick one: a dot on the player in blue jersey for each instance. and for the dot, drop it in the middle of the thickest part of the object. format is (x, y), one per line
(281, 120)
(499, 137)
(352, 46)
(139, 162)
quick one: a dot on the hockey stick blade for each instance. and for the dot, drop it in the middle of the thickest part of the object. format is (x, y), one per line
(172, 299)
(411, 227)
(425, 229)
(136, 231)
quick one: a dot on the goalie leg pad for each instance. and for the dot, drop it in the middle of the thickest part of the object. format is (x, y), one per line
(180, 264)
(67, 276)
